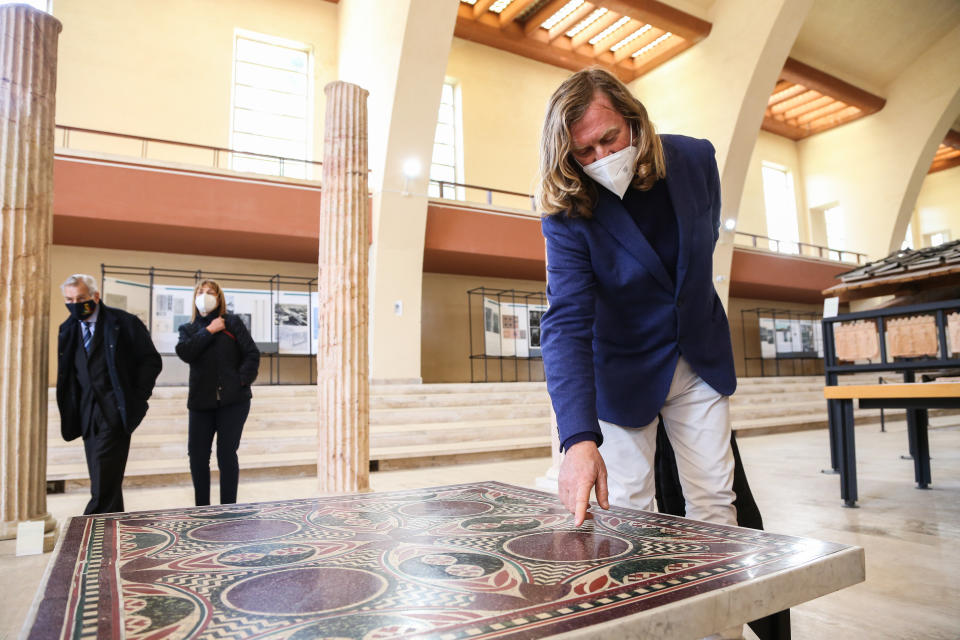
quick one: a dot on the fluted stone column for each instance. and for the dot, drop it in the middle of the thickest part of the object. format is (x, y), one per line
(28, 81)
(343, 462)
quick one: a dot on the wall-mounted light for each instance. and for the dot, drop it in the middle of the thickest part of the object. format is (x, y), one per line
(730, 224)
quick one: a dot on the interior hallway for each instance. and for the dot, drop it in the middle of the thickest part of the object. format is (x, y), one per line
(911, 537)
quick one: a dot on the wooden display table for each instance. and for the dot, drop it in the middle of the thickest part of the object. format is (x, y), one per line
(479, 560)
(913, 396)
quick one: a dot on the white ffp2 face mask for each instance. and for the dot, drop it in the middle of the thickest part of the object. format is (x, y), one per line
(205, 303)
(616, 171)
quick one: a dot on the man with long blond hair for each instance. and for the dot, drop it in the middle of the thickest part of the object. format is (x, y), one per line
(635, 327)
(635, 330)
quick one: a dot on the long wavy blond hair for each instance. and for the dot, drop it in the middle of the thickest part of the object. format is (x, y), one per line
(563, 186)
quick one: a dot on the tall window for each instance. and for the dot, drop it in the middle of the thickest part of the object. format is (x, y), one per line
(836, 232)
(447, 153)
(908, 238)
(272, 96)
(936, 238)
(781, 207)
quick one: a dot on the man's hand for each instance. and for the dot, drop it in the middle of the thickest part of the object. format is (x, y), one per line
(216, 325)
(582, 470)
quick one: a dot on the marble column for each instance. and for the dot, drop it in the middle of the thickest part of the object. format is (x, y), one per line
(343, 387)
(28, 82)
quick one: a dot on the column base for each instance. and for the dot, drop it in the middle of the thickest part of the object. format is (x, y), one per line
(8, 530)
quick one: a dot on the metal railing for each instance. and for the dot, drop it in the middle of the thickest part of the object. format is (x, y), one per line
(220, 157)
(799, 248)
(460, 191)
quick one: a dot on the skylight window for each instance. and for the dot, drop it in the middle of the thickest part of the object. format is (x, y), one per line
(646, 48)
(586, 22)
(565, 11)
(606, 32)
(633, 36)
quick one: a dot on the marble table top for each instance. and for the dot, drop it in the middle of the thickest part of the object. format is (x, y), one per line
(477, 560)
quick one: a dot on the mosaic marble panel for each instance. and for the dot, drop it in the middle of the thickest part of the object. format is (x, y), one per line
(476, 560)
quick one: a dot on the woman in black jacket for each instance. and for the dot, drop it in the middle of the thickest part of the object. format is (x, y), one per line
(224, 362)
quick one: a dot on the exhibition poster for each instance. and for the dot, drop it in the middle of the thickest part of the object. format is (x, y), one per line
(491, 327)
(252, 306)
(133, 297)
(291, 316)
(172, 307)
(768, 347)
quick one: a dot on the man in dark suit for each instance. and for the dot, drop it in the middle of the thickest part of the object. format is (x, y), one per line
(107, 366)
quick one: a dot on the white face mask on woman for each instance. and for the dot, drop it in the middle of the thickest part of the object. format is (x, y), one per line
(205, 303)
(615, 171)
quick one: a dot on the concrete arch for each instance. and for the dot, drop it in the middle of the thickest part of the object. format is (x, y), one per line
(874, 167)
(719, 90)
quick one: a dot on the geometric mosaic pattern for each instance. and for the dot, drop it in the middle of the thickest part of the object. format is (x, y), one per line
(477, 560)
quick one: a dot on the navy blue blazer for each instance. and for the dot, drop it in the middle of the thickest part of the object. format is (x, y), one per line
(617, 322)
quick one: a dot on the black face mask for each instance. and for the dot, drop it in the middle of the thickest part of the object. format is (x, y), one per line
(82, 310)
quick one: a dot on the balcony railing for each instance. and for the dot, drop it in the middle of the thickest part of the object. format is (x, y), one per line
(798, 248)
(161, 150)
(231, 159)
(486, 195)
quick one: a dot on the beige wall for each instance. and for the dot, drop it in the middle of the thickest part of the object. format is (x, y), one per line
(164, 69)
(874, 167)
(66, 260)
(938, 205)
(504, 98)
(445, 343)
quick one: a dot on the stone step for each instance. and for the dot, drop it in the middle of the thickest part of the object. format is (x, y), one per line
(157, 466)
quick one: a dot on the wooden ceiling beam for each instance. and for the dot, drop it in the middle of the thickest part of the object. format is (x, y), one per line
(795, 101)
(808, 106)
(944, 152)
(792, 91)
(662, 16)
(514, 41)
(571, 20)
(783, 129)
(542, 14)
(660, 54)
(601, 23)
(950, 163)
(849, 114)
(615, 36)
(826, 110)
(637, 43)
(799, 73)
(481, 6)
(514, 9)
(952, 139)
(782, 85)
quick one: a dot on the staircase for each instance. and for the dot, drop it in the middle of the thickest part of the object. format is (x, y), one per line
(417, 425)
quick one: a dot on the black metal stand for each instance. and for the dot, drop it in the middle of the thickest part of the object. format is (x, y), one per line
(150, 277)
(487, 367)
(795, 356)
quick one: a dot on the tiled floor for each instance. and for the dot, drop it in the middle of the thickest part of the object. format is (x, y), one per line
(911, 537)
